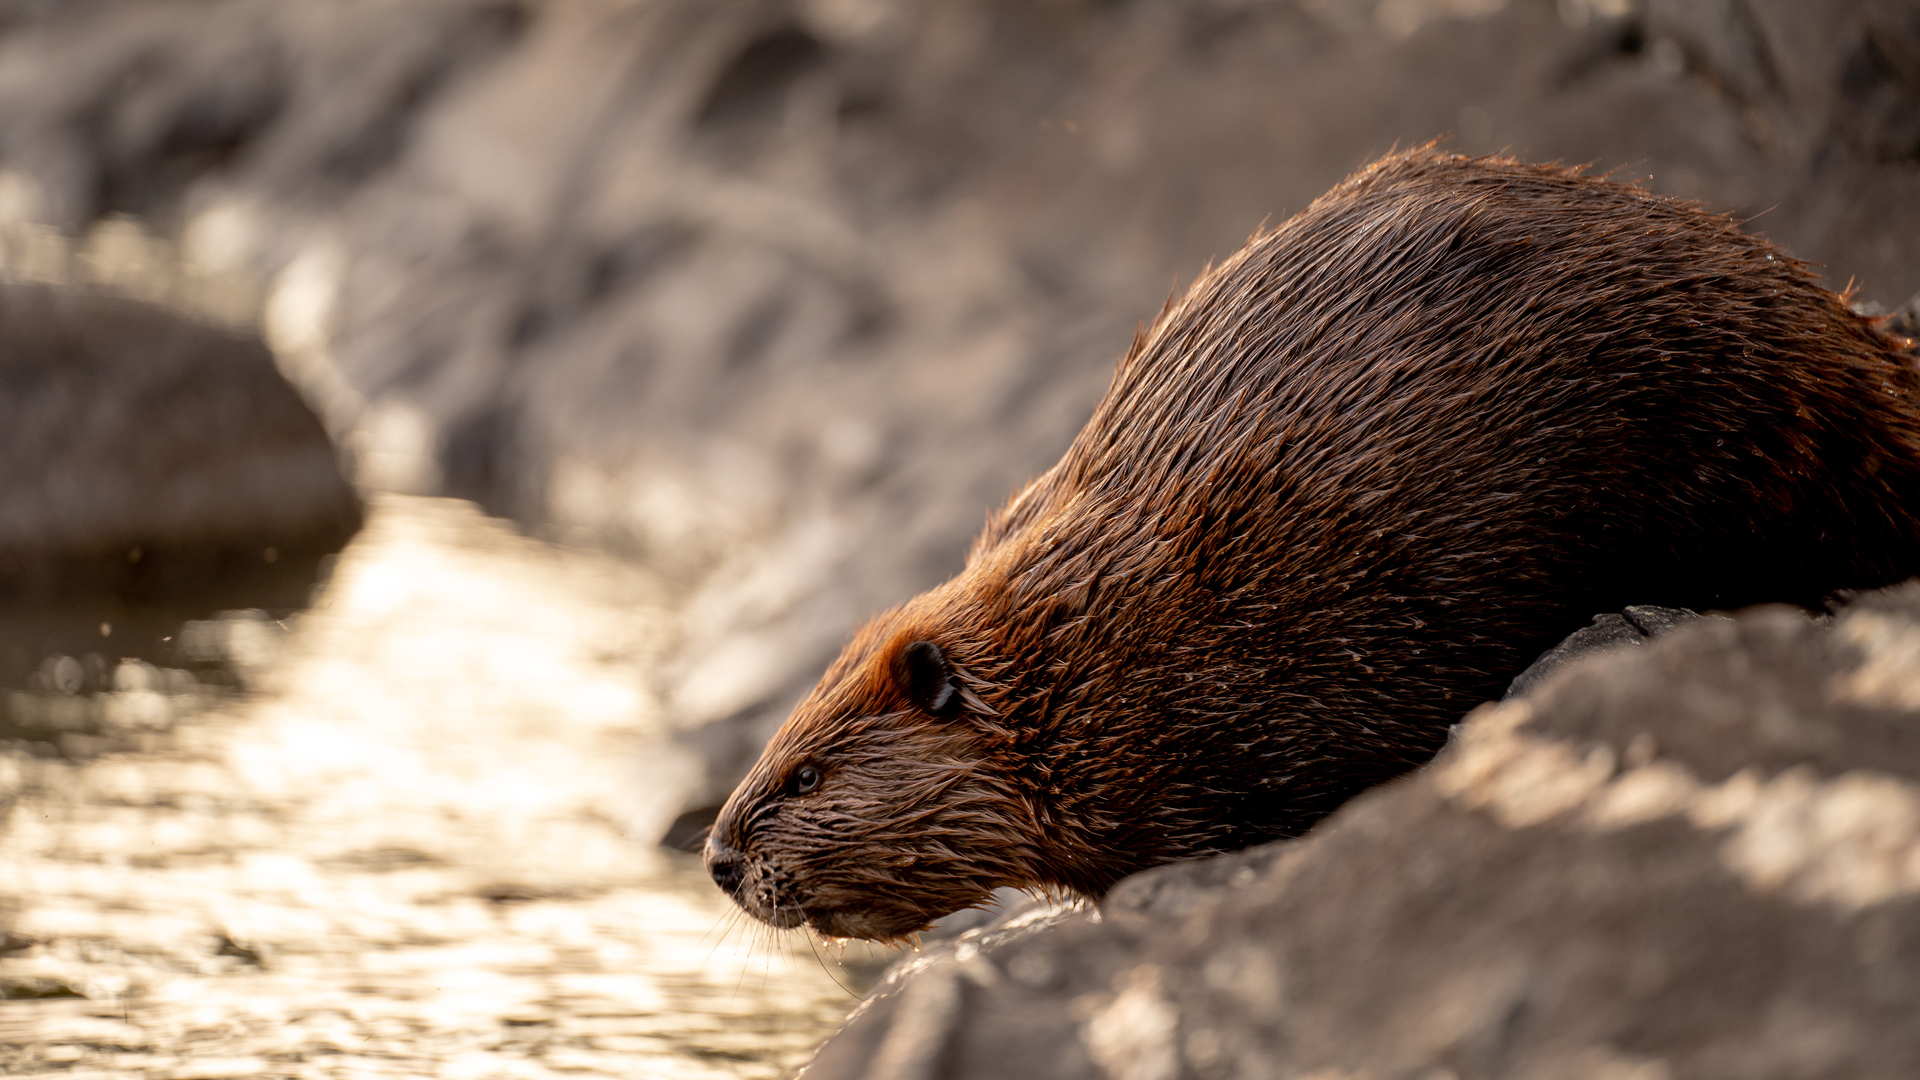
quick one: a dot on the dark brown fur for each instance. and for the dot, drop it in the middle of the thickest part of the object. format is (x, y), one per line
(1339, 494)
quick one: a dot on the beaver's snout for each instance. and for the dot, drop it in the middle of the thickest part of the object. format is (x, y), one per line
(728, 867)
(759, 887)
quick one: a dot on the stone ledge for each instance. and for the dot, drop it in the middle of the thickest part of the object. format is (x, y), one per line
(1698, 858)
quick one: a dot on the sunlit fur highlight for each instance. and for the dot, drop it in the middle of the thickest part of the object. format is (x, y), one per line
(1339, 493)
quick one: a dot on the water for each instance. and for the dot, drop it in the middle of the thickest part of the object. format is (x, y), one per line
(406, 850)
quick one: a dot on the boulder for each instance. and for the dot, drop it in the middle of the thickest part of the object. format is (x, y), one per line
(1695, 858)
(1637, 625)
(152, 469)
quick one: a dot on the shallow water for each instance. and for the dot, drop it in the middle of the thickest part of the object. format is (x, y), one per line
(406, 850)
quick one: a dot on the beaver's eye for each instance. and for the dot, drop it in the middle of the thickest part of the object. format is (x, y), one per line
(805, 779)
(930, 682)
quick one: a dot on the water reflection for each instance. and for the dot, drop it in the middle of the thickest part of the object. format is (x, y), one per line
(404, 852)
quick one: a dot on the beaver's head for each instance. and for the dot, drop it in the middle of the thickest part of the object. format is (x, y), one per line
(885, 801)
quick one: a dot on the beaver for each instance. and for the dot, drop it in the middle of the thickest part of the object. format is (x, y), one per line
(1336, 495)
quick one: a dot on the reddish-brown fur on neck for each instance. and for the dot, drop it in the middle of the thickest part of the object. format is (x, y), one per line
(1337, 495)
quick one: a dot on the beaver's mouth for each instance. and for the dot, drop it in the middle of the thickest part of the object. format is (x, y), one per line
(888, 922)
(783, 918)
(865, 923)
(768, 909)
(768, 892)
(835, 922)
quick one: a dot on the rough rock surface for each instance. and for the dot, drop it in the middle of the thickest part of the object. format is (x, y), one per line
(125, 426)
(781, 296)
(1637, 625)
(1698, 858)
(153, 468)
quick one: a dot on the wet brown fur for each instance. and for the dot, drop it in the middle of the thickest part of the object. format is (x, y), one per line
(1337, 495)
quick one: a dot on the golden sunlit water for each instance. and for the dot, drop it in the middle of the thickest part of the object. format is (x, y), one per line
(406, 852)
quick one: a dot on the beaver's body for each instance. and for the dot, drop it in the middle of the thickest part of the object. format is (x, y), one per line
(1338, 495)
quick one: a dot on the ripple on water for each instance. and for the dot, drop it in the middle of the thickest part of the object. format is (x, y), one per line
(405, 852)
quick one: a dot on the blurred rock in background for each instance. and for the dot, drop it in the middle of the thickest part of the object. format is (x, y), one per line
(782, 297)
(152, 469)
(135, 439)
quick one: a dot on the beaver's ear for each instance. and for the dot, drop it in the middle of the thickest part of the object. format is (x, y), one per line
(928, 680)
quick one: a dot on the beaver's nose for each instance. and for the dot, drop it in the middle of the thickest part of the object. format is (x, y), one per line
(726, 865)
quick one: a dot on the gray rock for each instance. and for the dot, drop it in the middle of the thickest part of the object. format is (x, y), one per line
(152, 469)
(1637, 625)
(123, 425)
(1696, 858)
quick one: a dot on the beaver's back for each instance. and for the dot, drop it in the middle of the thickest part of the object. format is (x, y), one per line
(1398, 446)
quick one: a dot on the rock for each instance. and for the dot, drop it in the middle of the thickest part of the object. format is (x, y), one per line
(781, 297)
(148, 462)
(1637, 625)
(1699, 857)
(127, 426)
